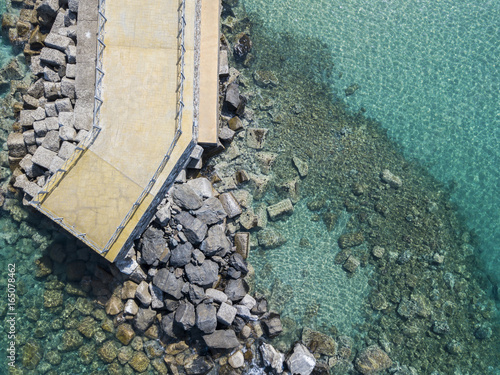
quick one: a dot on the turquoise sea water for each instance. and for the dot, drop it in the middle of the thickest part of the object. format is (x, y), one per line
(429, 72)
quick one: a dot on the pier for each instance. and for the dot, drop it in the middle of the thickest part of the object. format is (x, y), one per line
(147, 84)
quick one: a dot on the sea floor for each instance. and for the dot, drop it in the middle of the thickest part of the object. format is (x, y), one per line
(426, 301)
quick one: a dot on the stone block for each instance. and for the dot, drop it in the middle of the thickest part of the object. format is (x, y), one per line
(73, 5)
(43, 157)
(81, 135)
(223, 63)
(84, 114)
(59, 42)
(71, 71)
(52, 57)
(52, 90)
(71, 55)
(36, 89)
(226, 314)
(40, 128)
(30, 102)
(66, 150)
(51, 123)
(68, 88)
(66, 119)
(230, 205)
(38, 114)
(32, 189)
(25, 118)
(51, 141)
(50, 109)
(67, 133)
(29, 137)
(16, 145)
(64, 105)
(48, 8)
(35, 66)
(32, 170)
(56, 164)
(256, 137)
(21, 181)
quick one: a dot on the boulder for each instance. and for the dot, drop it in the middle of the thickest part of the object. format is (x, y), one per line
(265, 78)
(144, 318)
(242, 47)
(282, 208)
(301, 362)
(185, 197)
(389, 178)
(196, 294)
(114, 306)
(205, 275)
(226, 314)
(52, 57)
(185, 316)
(221, 339)
(372, 360)
(211, 212)
(271, 323)
(194, 229)
(152, 245)
(242, 243)
(125, 333)
(202, 187)
(236, 360)
(233, 95)
(248, 301)
(216, 242)
(217, 295)
(236, 289)
(181, 255)
(351, 240)
(142, 293)
(199, 366)
(168, 283)
(206, 317)
(301, 166)
(156, 297)
(131, 307)
(57, 41)
(272, 358)
(43, 157)
(270, 238)
(51, 141)
(230, 205)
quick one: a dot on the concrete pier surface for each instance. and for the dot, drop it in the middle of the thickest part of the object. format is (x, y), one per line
(148, 122)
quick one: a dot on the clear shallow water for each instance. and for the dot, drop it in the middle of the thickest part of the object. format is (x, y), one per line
(429, 72)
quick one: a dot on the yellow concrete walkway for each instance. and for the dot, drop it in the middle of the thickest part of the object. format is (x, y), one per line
(138, 120)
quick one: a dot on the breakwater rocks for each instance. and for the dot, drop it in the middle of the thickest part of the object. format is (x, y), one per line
(55, 112)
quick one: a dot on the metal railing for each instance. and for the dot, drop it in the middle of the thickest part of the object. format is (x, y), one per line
(181, 12)
(55, 179)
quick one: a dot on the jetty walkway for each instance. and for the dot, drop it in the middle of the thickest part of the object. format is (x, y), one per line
(147, 80)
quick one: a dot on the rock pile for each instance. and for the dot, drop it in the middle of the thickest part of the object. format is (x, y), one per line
(57, 107)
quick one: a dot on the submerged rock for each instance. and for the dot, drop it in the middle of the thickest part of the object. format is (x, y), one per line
(319, 343)
(270, 238)
(372, 360)
(272, 358)
(389, 178)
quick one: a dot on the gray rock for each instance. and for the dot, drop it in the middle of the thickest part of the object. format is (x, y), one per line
(205, 275)
(32, 170)
(248, 301)
(51, 124)
(226, 134)
(272, 324)
(142, 293)
(238, 263)
(64, 105)
(67, 133)
(131, 307)
(50, 75)
(206, 317)
(50, 109)
(194, 229)
(156, 297)
(152, 245)
(216, 242)
(202, 187)
(48, 8)
(71, 56)
(197, 257)
(71, 71)
(236, 289)
(301, 362)
(68, 88)
(36, 89)
(38, 114)
(66, 150)
(185, 197)
(40, 128)
(26, 118)
(226, 314)
(51, 141)
(244, 313)
(242, 243)
(223, 63)
(185, 316)
(52, 57)
(126, 265)
(43, 157)
(144, 318)
(29, 137)
(233, 95)
(181, 255)
(82, 134)
(163, 214)
(270, 238)
(35, 66)
(30, 102)
(59, 42)
(221, 339)
(230, 204)
(217, 295)
(372, 360)
(52, 90)
(196, 294)
(272, 358)
(32, 189)
(57, 163)
(201, 365)
(167, 325)
(211, 212)
(16, 145)
(168, 283)
(21, 181)
(389, 178)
